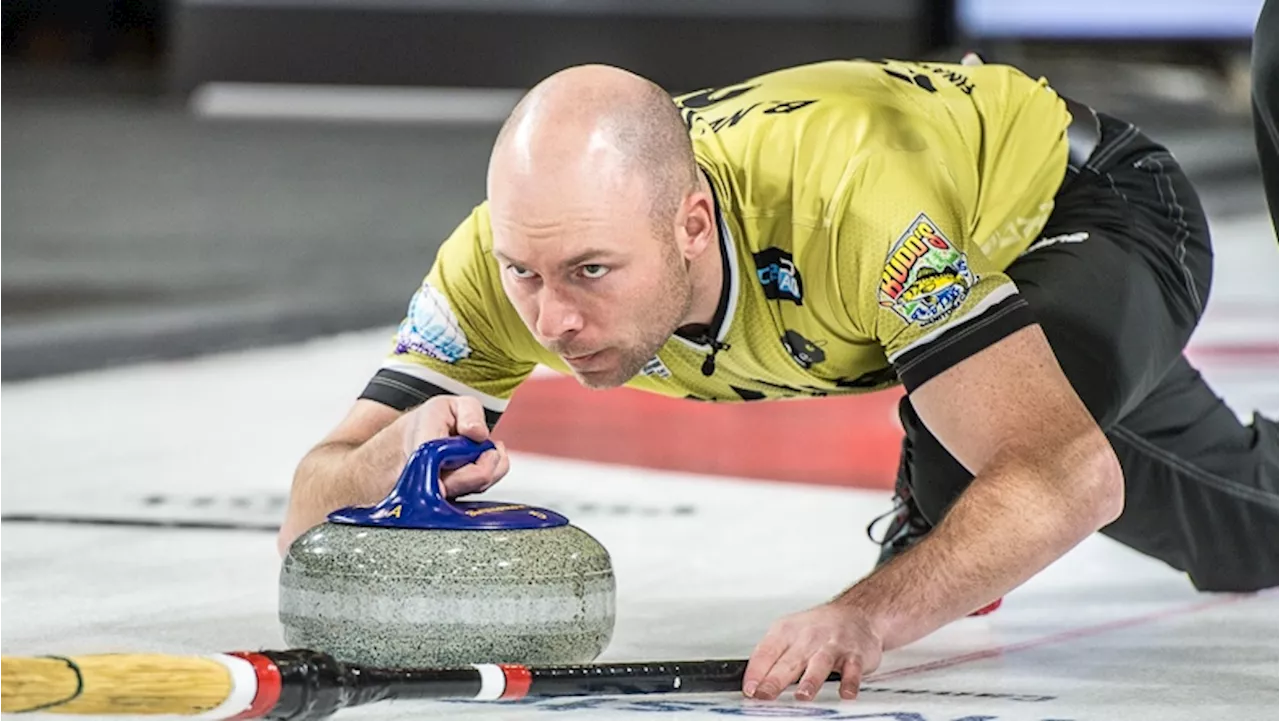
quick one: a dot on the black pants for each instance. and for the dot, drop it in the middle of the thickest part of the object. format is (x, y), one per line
(1118, 282)
(1263, 70)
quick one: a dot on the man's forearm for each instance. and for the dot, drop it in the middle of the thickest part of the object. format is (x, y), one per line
(1009, 524)
(336, 475)
(348, 470)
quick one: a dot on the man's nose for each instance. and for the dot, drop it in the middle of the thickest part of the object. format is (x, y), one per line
(557, 316)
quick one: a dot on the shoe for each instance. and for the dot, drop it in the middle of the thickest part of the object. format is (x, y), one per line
(906, 527)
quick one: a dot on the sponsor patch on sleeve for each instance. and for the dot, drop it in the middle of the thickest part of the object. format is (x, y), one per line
(431, 329)
(926, 278)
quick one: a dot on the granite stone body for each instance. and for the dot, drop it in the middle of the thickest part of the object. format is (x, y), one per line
(411, 597)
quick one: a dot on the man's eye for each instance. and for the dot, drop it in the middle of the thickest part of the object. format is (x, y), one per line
(594, 271)
(519, 272)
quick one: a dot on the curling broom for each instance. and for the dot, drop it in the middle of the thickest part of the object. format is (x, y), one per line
(301, 684)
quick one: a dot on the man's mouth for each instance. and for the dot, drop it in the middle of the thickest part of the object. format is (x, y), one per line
(580, 358)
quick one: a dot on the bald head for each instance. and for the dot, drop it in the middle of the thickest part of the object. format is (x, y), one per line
(601, 222)
(593, 135)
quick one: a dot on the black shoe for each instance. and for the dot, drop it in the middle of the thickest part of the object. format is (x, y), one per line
(906, 527)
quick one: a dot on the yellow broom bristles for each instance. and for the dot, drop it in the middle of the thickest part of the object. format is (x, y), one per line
(108, 684)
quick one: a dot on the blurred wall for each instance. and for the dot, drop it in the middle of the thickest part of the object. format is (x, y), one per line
(85, 32)
(680, 44)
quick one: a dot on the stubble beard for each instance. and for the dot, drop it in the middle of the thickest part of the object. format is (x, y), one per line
(665, 313)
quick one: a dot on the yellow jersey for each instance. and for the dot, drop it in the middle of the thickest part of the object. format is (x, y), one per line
(867, 211)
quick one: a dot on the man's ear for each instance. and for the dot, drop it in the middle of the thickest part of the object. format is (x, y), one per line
(696, 222)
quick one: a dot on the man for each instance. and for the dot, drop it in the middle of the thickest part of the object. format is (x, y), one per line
(1029, 271)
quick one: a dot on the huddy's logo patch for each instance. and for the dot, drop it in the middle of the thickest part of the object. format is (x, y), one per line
(431, 329)
(804, 351)
(925, 277)
(779, 276)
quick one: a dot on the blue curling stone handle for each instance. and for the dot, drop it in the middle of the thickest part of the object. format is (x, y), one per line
(418, 501)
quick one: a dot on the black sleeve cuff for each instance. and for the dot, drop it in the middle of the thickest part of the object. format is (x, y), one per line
(402, 391)
(918, 365)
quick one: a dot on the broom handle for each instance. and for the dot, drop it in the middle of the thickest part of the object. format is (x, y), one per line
(315, 681)
(301, 684)
(513, 681)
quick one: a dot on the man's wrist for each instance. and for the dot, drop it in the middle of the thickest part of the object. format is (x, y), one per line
(878, 614)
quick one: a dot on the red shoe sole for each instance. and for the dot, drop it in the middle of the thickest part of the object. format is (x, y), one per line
(988, 608)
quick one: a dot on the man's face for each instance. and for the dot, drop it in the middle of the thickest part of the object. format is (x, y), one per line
(598, 285)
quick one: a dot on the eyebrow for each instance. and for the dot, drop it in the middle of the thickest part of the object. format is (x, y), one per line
(579, 259)
(584, 256)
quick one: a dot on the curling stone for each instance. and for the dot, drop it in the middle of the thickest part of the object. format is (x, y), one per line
(418, 580)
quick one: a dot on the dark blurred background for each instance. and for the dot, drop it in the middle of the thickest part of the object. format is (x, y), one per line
(185, 176)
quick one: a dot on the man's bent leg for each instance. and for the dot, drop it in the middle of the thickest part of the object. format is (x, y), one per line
(1200, 487)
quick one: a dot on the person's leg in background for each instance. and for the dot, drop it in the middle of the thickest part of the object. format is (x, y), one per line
(1263, 66)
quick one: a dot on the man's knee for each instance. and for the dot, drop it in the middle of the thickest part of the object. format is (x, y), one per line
(1253, 572)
